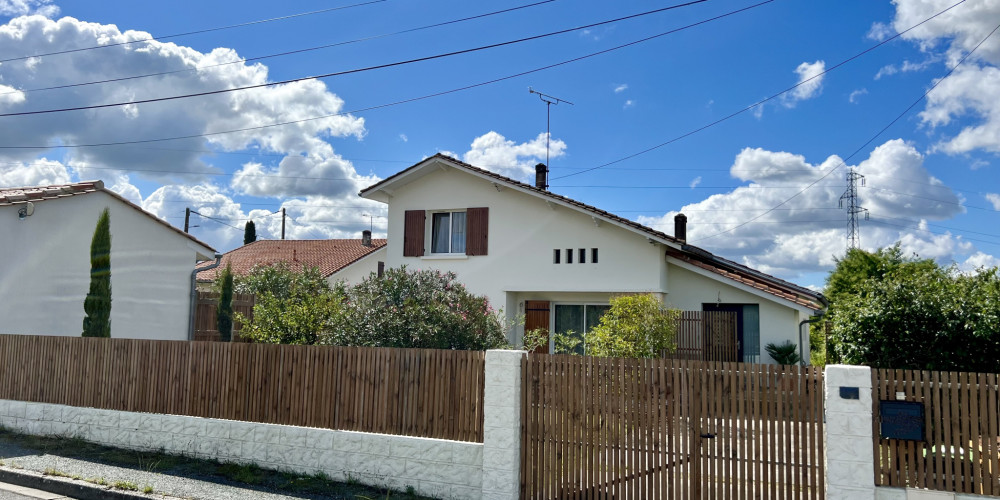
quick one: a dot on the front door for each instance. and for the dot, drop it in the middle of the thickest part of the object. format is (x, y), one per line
(536, 315)
(710, 349)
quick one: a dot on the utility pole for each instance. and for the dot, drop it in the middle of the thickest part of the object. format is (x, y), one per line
(853, 208)
(282, 222)
(549, 101)
(187, 217)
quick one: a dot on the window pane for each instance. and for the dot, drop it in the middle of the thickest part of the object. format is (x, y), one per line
(569, 322)
(439, 233)
(594, 314)
(458, 232)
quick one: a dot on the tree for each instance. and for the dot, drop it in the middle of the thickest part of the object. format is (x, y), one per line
(922, 317)
(636, 326)
(224, 310)
(249, 232)
(423, 309)
(291, 306)
(97, 304)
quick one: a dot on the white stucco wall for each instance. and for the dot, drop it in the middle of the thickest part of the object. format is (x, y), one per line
(690, 289)
(45, 272)
(359, 270)
(523, 232)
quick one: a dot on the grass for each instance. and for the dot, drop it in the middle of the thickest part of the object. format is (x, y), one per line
(247, 475)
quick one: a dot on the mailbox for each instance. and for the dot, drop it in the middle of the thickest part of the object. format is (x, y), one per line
(901, 420)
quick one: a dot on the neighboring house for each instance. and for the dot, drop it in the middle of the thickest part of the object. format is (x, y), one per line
(45, 273)
(337, 260)
(557, 261)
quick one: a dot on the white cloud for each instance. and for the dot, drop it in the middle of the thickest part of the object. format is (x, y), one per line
(960, 28)
(994, 200)
(979, 260)
(23, 7)
(40, 172)
(320, 173)
(236, 110)
(806, 232)
(403, 138)
(495, 152)
(621, 88)
(810, 82)
(695, 182)
(880, 31)
(856, 95)
(628, 104)
(886, 70)
(978, 164)
(968, 91)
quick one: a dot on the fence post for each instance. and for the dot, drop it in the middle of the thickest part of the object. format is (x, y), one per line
(849, 450)
(502, 425)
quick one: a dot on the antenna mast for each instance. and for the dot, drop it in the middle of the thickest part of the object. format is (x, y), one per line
(853, 208)
(549, 100)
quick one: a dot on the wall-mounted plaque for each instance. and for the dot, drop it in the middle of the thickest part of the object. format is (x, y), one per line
(901, 420)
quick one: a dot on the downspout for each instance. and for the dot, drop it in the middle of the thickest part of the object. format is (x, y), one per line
(194, 292)
(817, 317)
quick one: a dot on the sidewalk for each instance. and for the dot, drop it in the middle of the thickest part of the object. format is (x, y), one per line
(81, 470)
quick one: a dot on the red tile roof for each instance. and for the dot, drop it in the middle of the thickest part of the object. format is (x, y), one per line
(688, 253)
(329, 256)
(36, 194)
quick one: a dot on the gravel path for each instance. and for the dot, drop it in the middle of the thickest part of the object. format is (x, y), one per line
(15, 455)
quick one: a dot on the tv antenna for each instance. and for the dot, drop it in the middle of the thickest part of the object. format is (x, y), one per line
(549, 100)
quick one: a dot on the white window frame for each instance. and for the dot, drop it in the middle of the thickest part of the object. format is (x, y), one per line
(430, 231)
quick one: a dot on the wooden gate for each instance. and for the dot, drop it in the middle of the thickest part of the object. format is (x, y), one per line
(635, 428)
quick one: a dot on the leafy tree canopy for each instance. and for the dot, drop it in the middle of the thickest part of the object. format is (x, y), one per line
(914, 314)
(636, 326)
(292, 306)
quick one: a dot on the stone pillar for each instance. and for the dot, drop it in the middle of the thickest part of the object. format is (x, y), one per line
(849, 450)
(502, 425)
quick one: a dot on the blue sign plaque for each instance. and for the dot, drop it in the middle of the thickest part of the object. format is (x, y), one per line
(901, 420)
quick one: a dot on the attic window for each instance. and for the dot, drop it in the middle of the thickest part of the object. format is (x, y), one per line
(593, 256)
(555, 256)
(583, 256)
(569, 255)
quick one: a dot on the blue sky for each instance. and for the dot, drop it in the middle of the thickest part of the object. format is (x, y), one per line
(930, 177)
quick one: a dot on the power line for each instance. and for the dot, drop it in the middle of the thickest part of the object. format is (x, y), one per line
(760, 102)
(206, 30)
(403, 101)
(872, 139)
(279, 54)
(357, 70)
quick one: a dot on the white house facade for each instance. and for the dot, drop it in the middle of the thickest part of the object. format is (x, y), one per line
(557, 261)
(45, 275)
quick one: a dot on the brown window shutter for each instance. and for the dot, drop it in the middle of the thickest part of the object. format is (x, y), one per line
(477, 230)
(413, 233)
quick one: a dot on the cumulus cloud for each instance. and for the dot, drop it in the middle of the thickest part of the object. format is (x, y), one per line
(40, 172)
(856, 95)
(694, 182)
(808, 231)
(994, 200)
(810, 82)
(628, 104)
(23, 7)
(621, 88)
(495, 152)
(880, 31)
(977, 261)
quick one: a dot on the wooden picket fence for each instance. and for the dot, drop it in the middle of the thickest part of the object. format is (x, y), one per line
(960, 450)
(706, 336)
(413, 392)
(205, 323)
(631, 429)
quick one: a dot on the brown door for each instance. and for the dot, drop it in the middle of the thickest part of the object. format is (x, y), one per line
(536, 315)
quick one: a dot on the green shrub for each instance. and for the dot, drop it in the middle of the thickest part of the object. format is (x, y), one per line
(784, 354)
(97, 304)
(224, 310)
(636, 326)
(292, 306)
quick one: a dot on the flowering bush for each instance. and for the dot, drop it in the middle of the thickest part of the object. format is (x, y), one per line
(292, 306)
(422, 309)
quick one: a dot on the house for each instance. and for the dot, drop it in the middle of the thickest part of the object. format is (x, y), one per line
(45, 273)
(346, 260)
(557, 261)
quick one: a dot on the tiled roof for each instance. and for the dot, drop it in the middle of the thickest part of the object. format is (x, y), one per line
(694, 255)
(36, 194)
(329, 256)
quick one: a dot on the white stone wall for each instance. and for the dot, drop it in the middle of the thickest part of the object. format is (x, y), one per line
(433, 467)
(849, 455)
(502, 425)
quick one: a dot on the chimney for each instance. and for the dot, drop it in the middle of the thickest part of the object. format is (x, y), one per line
(680, 227)
(541, 176)
(366, 238)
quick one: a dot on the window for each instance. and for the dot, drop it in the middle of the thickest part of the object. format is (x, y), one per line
(593, 256)
(448, 232)
(555, 256)
(569, 255)
(583, 256)
(574, 321)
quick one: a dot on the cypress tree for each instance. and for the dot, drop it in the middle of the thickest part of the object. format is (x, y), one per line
(249, 233)
(224, 310)
(97, 304)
